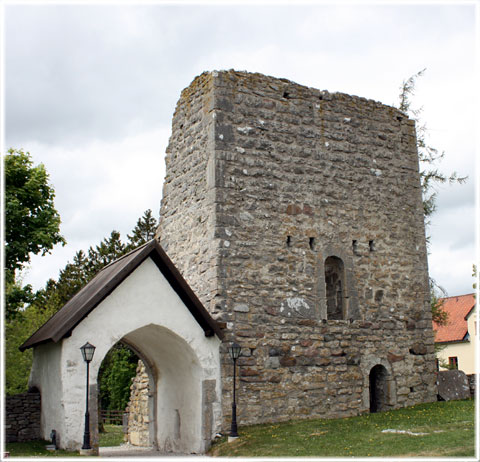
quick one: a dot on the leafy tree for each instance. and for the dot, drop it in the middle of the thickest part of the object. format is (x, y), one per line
(16, 295)
(106, 252)
(17, 330)
(437, 293)
(115, 377)
(73, 277)
(144, 231)
(32, 224)
(429, 158)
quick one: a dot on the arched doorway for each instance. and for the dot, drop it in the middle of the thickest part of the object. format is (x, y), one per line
(125, 401)
(176, 390)
(378, 388)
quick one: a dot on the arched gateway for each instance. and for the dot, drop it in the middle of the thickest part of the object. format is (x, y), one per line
(142, 300)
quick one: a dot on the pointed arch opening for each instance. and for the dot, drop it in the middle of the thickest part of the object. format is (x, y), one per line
(125, 387)
(174, 420)
(175, 387)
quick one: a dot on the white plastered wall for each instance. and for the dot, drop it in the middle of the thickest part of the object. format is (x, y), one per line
(464, 351)
(45, 375)
(146, 312)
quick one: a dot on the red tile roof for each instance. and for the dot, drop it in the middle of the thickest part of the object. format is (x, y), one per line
(458, 308)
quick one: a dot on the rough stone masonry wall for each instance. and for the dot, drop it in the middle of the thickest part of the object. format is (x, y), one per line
(472, 382)
(188, 198)
(296, 175)
(138, 412)
(22, 417)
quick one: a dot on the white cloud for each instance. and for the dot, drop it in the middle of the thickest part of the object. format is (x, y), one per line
(452, 270)
(99, 188)
(90, 91)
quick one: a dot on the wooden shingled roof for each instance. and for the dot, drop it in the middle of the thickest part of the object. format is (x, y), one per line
(62, 323)
(458, 309)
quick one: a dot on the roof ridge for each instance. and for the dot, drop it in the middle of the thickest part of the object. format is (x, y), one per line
(456, 296)
(104, 283)
(136, 249)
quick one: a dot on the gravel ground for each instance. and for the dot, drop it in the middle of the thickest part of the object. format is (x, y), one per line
(125, 450)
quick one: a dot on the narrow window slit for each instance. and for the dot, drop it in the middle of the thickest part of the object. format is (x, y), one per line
(289, 241)
(371, 245)
(354, 246)
(311, 243)
(335, 288)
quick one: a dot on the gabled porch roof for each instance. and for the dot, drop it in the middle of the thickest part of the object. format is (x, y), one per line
(62, 323)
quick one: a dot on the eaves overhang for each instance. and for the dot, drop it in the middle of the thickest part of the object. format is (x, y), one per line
(62, 323)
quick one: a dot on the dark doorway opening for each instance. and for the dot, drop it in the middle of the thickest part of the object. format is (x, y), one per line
(378, 388)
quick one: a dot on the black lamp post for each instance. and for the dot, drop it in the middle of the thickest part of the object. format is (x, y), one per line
(234, 351)
(87, 353)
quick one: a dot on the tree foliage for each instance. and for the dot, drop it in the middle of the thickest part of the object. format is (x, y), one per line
(144, 231)
(32, 224)
(430, 176)
(429, 157)
(437, 293)
(17, 330)
(115, 377)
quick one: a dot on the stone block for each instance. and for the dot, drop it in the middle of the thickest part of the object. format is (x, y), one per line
(241, 308)
(453, 385)
(393, 358)
(134, 438)
(418, 349)
(287, 361)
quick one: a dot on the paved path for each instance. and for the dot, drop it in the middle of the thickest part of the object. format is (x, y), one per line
(125, 450)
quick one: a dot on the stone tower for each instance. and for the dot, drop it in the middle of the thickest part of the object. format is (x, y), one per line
(296, 216)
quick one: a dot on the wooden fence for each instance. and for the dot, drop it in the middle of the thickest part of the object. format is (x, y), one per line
(110, 417)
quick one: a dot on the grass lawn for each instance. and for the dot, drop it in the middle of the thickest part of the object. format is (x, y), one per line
(113, 436)
(36, 449)
(442, 429)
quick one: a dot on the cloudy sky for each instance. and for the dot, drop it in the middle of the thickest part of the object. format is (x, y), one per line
(90, 91)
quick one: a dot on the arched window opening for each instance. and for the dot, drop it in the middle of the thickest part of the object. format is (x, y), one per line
(335, 286)
(378, 388)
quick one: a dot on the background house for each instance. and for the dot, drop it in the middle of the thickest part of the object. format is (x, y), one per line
(457, 339)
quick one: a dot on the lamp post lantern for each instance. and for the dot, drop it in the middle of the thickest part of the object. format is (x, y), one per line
(87, 352)
(234, 351)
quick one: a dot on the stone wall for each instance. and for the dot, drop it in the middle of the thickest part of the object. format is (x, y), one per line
(189, 157)
(296, 216)
(472, 382)
(138, 413)
(22, 417)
